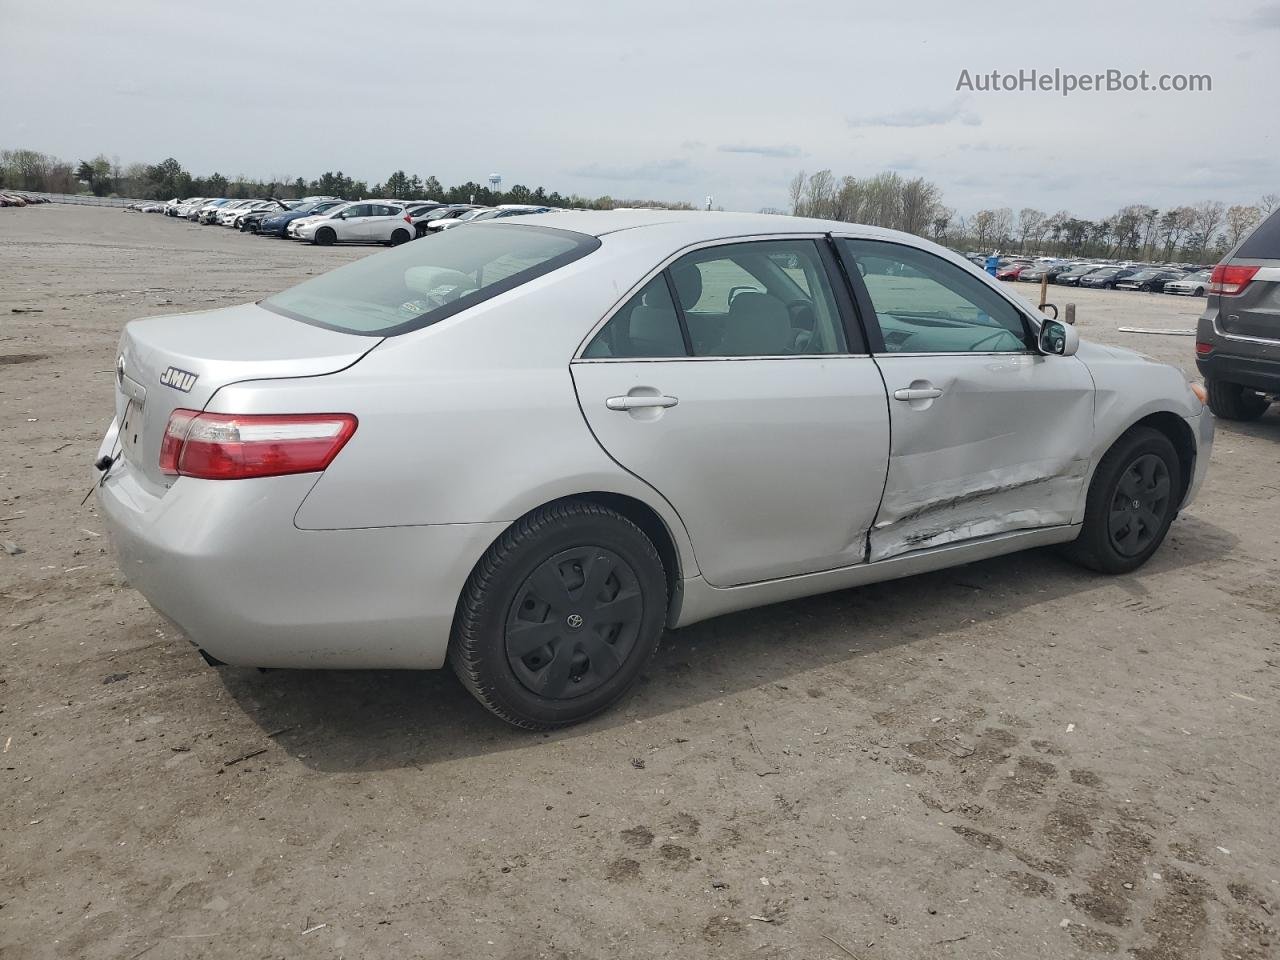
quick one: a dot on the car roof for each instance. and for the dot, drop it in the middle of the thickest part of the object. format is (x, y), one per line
(696, 226)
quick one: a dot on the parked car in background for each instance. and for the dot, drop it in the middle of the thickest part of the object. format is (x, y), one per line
(1070, 277)
(495, 213)
(225, 217)
(1013, 270)
(465, 216)
(1105, 278)
(1238, 335)
(248, 222)
(432, 220)
(1194, 284)
(210, 206)
(185, 208)
(360, 222)
(355, 472)
(1151, 280)
(277, 224)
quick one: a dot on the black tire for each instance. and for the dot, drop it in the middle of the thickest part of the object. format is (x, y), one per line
(1145, 288)
(502, 611)
(1199, 291)
(1230, 401)
(1118, 538)
(325, 236)
(399, 236)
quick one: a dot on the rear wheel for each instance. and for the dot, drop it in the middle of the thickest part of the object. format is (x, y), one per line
(399, 236)
(325, 236)
(1132, 501)
(560, 616)
(1230, 401)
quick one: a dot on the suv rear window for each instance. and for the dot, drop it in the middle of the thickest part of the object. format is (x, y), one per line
(1264, 242)
(424, 281)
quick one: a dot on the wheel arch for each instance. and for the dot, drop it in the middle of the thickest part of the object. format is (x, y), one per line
(1178, 432)
(650, 522)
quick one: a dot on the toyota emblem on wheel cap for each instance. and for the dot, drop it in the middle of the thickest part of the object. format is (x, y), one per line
(574, 621)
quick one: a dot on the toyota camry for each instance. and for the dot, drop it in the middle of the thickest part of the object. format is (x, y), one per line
(528, 447)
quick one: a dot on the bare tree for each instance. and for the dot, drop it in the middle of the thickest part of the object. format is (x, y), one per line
(1268, 202)
(1208, 218)
(796, 191)
(919, 204)
(1030, 220)
(820, 195)
(1240, 220)
(983, 227)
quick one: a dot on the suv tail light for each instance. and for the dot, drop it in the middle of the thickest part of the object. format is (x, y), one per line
(224, 446)
(1203, 349)
(1229, 280)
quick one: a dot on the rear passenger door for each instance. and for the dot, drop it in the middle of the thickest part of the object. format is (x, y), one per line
(989, 435)
(730, 383)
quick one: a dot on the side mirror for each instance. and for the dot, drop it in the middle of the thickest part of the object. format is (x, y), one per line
(1058, 339)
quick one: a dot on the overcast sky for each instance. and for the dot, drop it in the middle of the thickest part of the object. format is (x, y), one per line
(661, 99)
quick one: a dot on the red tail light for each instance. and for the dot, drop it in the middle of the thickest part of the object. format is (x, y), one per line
(1204, 349)
(408, 219)
(1229, 280)
(224, 446)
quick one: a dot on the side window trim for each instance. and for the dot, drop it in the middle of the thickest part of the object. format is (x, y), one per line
(857, 333)
(680, 317)
(863, 298)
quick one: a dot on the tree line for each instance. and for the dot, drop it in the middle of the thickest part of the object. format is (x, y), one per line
(1198, 232)
(105, 177)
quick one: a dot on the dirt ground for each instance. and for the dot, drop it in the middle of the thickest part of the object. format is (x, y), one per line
(1013, 759)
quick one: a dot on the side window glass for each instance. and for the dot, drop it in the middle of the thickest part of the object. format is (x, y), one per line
(763, 298)
(646, 326)
(926, 305)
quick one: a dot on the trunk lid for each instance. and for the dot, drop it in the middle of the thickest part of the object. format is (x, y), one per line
(180, 361)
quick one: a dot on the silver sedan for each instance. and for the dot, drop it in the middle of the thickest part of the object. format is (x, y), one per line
(528, 447)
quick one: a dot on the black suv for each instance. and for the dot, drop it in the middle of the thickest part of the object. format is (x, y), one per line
(1238, 337)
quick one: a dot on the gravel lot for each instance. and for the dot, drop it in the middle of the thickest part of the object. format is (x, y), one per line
(1013, 759)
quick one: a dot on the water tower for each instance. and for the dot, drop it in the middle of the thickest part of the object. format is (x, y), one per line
(495, 182)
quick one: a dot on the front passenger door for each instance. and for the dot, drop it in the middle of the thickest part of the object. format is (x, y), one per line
(353, 225)
(988, 435)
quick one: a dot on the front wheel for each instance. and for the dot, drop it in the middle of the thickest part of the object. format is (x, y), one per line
(560, 616)
(325, 236)
(1230, 401)
(1132, 500)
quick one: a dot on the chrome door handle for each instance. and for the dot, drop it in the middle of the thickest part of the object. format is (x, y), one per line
(639, 403)
(917, 393)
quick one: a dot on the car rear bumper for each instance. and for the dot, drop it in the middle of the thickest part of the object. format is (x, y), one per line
(224, 561)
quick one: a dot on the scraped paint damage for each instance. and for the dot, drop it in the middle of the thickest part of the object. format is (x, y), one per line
(1019, 497)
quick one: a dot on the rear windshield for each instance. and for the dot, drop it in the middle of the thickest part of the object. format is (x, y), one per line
(1264, 242)
(426, 280)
